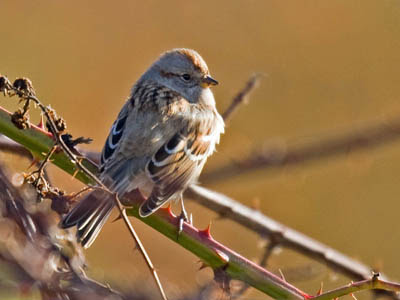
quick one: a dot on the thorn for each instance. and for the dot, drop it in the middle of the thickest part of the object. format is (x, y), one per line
(282, 276)
(352, 295)
(206, 232)
(223, 256)
(41, 123)
(75, 173)
(168, 210)
(119, 217)
(203, 265)
(320, 289)
(34, 162)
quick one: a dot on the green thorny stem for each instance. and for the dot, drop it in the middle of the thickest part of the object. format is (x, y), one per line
(226, 263)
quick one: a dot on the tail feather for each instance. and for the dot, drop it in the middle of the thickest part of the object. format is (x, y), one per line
(89, 215)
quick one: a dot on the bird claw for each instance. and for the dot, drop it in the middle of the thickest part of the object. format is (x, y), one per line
(183, 217)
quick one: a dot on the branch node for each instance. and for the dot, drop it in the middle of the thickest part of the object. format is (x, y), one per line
(375, 276)
(223, 257)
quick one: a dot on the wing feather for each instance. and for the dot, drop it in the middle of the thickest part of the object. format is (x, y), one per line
(115, 135)
(180, 160)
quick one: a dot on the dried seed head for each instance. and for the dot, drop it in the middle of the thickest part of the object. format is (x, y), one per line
(24, 87)
(60, 124)
(20, 119)
(5, 85)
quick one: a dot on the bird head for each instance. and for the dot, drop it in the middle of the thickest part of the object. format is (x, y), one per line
(184, 71)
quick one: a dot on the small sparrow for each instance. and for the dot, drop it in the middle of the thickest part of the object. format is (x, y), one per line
(159, 142)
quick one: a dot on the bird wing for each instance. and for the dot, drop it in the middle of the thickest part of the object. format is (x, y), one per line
(140, 127)
(149, 119)
(180, 160)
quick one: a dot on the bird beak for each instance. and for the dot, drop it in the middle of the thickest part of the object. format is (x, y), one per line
(207, 81)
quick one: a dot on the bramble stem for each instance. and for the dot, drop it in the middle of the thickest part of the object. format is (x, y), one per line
(206, 248)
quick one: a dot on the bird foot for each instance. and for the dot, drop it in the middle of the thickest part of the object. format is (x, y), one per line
(183, 217)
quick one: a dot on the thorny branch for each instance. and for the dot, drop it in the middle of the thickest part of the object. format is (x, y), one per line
(369, 284)
(263, 263)
(23, 88)
(197, 241)
(280, 234)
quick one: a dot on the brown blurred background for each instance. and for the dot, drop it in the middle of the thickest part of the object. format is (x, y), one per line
(330, 66)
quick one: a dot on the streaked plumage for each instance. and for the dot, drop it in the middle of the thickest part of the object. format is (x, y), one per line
(159, 142)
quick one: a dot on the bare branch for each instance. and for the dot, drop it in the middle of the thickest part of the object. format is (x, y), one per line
(378, 134)
(241, 96)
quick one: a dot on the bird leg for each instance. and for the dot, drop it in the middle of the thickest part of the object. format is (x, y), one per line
(183, 217)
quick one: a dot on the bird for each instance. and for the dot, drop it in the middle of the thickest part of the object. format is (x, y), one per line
(159, 143)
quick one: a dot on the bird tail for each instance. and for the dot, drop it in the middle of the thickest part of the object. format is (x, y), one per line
(89, 215)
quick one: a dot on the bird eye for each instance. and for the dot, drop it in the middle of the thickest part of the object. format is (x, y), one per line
(186, 77)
